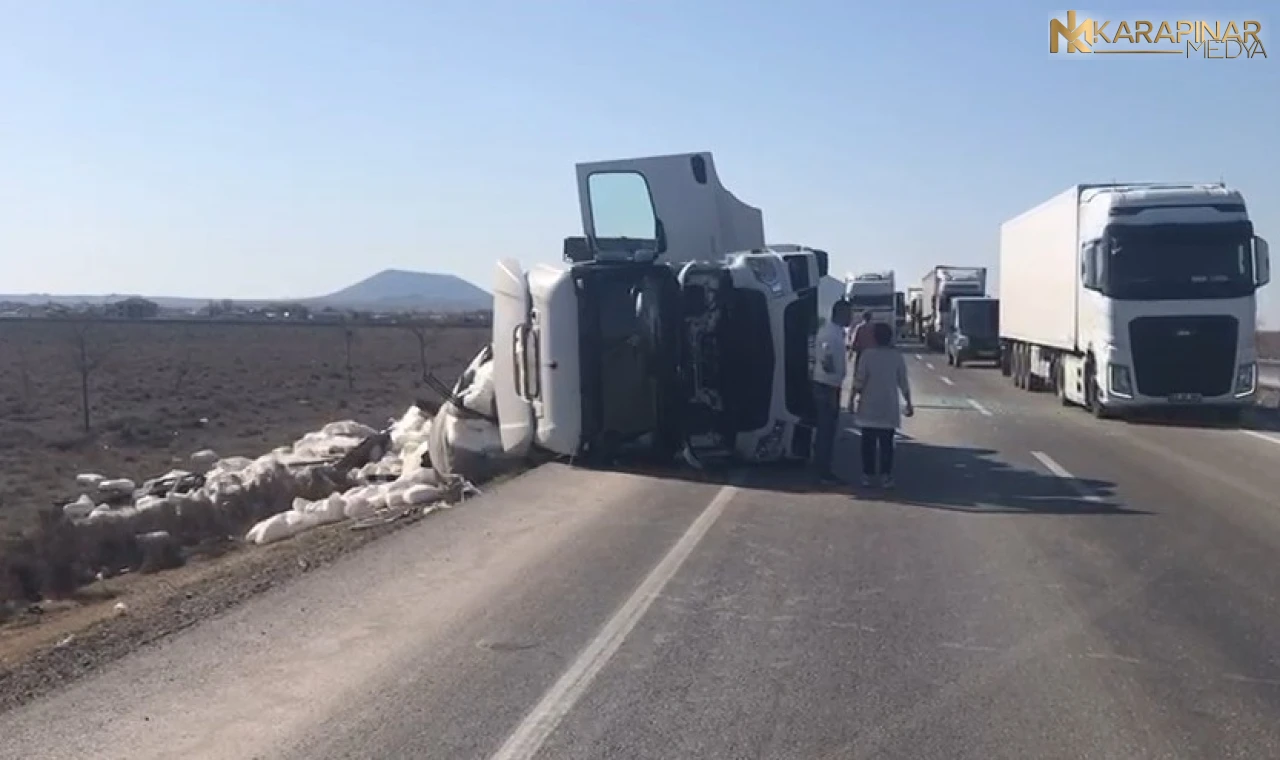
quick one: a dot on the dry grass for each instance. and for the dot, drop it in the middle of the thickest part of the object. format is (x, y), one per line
(161, 391)
(1269, 345)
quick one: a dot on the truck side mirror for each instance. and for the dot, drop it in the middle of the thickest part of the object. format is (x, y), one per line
(577, 249)
(1089, 266)
(1261, 261)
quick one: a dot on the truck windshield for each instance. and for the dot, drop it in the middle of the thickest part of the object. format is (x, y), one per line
(871, 300)
(979, 319)
(1184, 261)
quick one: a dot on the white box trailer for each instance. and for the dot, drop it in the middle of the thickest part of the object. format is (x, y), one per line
(1125, 296)
(624, 348)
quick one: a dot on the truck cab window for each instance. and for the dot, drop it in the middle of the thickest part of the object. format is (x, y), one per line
(1172, 261)
(621, 208)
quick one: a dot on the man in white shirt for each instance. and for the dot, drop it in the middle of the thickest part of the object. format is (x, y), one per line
(828, 379)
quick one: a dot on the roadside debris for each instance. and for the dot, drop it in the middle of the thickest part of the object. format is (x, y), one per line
(426, 459)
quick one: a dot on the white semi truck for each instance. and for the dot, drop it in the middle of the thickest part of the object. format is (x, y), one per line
(939, 286)
(651, 335)
(1123, 296)
(873, 292)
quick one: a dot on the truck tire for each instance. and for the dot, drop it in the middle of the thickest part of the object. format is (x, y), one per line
(1024, 367)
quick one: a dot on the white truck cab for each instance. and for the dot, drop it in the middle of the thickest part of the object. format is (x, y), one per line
(873, 292)
(651, 334)
(1127, 296)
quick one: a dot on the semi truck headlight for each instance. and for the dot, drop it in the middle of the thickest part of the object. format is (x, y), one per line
(1121, 381)
(1246, 379)
(766, 273)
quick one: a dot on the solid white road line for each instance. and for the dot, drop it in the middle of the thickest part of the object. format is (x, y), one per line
(947, 380)
(929, 365)
(1263, 436)
(981, 409)
(1061, 472)
(537, 726)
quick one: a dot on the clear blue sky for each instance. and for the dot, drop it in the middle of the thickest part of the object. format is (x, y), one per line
(238, 148)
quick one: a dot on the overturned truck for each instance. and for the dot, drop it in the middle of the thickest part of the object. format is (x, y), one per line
(671, 330)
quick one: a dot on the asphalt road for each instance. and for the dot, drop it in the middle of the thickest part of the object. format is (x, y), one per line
(1040, 584)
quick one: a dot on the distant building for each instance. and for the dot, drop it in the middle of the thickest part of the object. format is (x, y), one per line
(132, 308)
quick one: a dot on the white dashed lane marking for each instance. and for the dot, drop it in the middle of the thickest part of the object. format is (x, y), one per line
(981, 409)
(1062, 472)
(1262, 436)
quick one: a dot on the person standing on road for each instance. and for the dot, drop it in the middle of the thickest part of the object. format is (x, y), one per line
(878, 378)
(828, 379)
(860, 339)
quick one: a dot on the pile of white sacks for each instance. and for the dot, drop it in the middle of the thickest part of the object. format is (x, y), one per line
(422, 462)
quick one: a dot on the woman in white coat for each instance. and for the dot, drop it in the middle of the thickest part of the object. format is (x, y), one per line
(881, 375)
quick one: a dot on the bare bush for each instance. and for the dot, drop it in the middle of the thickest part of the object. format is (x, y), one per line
(91, 347)
(183, 361)
(349, 340)
(426, 336)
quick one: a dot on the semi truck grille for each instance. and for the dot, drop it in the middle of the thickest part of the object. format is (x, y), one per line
(1184, 354)
(799, 325)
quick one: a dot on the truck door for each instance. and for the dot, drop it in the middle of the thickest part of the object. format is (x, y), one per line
(701, 218)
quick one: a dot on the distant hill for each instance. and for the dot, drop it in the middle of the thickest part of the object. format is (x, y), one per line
(399, 290)
(388, 291)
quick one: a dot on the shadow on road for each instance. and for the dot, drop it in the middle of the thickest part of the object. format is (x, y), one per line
(959, 479)
(949, 478)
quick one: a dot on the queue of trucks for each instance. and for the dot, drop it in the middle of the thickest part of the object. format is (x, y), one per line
(674, 328)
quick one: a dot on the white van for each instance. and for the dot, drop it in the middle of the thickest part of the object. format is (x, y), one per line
(621, 349)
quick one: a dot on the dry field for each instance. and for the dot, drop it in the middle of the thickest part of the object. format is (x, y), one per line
(160, 391)
(1269, 345)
